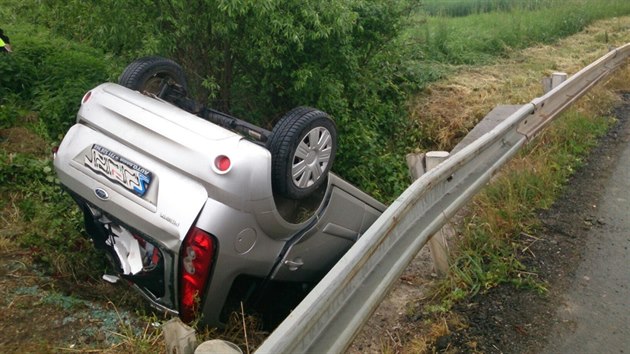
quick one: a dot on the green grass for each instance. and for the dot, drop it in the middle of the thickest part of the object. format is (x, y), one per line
(442, 44)
(460, 8)
(481, 37)
(50, 223)
(41, 85)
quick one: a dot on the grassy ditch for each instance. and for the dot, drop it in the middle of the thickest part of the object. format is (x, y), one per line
(500, 224)
(52, 296)
(41, 85)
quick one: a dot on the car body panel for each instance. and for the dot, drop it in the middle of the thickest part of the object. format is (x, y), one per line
(140, 164)
(348, 213)
(168, 219)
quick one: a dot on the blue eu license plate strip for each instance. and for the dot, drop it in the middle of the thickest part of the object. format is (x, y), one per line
(119, 169)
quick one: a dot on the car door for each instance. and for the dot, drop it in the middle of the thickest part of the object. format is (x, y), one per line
(348, 214)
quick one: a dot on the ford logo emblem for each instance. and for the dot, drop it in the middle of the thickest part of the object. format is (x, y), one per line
(101, 194)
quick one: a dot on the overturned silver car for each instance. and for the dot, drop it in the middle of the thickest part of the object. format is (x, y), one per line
(199, 210)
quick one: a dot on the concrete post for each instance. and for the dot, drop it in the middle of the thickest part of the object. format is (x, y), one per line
(550, 83)
(438, 244)
(418, 164)
(557, 79)
(180, 338)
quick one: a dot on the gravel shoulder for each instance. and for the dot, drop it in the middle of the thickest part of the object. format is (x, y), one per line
(582, 256)
(594, 313)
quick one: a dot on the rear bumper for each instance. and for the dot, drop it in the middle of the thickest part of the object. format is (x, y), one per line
(146, 264)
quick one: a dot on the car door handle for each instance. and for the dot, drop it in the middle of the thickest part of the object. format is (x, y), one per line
(294, 264)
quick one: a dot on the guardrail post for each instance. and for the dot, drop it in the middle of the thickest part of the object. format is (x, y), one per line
(550, 83)
(557, 79)
(437, 243)
(415, 163)
(419, 164)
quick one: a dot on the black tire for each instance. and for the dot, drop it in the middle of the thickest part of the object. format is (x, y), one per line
(303, 146)
(150, 74)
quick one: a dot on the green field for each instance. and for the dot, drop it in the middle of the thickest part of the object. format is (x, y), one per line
(503, 26)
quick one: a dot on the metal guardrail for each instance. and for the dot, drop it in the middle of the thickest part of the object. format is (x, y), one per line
(329, 317)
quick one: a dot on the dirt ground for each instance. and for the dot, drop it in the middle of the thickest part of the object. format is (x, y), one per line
(506, 319)
(43, 314)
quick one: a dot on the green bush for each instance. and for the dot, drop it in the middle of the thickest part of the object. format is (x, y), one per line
(16, 76)
(48, 75)
(58, 94)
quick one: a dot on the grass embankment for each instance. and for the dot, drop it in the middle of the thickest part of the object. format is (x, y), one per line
(501, 221)
(52, 296)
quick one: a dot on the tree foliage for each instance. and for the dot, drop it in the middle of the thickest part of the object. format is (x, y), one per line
(258, 59)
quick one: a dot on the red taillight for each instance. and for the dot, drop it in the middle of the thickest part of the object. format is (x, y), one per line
(55, 150)
(195, 264)
(86, 97)
(222, 164)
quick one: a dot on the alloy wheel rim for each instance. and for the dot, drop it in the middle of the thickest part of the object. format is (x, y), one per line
(311, 157)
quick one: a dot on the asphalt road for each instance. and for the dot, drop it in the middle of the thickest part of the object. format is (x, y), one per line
(595, 315)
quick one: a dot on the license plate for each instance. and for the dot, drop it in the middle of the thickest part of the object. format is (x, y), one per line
(119, 169)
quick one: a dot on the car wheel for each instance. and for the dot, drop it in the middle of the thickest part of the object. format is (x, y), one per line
(303, 146)
(151, 74)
